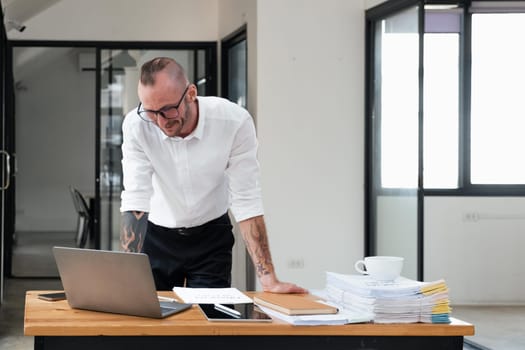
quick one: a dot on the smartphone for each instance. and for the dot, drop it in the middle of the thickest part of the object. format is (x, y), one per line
(52, 296)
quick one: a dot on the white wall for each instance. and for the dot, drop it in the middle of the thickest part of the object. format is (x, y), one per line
(476, 244)
(308, 99)
(372, 3)
(310, 122)
(124, 20)
(310, 155)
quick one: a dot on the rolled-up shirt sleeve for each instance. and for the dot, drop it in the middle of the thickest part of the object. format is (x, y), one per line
(137, 171)
(244, 174)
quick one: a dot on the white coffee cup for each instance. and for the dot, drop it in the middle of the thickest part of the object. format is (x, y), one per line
(381, 268)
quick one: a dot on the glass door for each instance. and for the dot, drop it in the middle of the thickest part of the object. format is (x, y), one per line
(54, 90)
(235, 67)
(119, 75)
(235, 88)
(393, 120)
(118, 69)
(4, 157)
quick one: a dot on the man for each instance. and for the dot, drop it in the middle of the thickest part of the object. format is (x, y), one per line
(186, 161)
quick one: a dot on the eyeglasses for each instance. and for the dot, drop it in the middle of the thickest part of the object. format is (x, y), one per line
(167, 112)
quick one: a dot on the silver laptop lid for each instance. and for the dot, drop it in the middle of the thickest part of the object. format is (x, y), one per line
(108, 281)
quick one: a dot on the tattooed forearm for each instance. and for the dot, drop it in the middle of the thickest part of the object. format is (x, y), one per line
(133, 230)
(254, 234)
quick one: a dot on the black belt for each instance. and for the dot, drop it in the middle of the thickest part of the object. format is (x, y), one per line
(190, 231)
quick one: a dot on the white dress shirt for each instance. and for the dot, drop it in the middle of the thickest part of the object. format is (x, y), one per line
(186, 182)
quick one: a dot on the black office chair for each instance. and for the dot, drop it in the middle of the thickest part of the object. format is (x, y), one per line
(84, 218)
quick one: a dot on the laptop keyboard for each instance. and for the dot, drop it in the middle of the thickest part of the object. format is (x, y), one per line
(166, 306)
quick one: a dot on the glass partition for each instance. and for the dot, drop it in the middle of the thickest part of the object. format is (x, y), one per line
(119, 75)
(395, 132)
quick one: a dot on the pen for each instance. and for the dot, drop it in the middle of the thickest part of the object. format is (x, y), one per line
(228, 310)
(172, 300)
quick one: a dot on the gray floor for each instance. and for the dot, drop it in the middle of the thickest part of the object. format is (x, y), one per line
(32, 253)
(497, 327)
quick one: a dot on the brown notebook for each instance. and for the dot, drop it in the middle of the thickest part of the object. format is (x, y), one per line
(293, 304)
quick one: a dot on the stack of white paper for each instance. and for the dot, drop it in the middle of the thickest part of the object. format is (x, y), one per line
(400, 301)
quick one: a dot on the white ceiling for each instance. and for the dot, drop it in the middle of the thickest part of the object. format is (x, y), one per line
(22, 10)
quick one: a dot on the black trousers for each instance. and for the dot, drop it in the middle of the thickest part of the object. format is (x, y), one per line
(197, 257)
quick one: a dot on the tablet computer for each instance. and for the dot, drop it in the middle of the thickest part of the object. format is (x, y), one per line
(248, 312)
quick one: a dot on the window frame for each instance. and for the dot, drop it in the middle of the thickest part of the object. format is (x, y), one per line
(465, 186)
(227, 43)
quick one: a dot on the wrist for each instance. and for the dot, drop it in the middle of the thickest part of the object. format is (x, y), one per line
(268, 280)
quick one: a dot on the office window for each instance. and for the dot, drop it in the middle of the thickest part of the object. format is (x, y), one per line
(467, 133)
(235, 67)
(497, 95)
(441, 98)
(399, 100)
(443, 116)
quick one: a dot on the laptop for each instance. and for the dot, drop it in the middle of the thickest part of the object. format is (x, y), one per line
(111, 281)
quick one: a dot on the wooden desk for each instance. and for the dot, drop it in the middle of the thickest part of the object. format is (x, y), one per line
(56, 326)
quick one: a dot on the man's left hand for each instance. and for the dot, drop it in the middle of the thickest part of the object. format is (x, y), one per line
(271, 284)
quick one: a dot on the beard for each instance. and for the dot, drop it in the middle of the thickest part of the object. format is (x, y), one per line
(175, 127)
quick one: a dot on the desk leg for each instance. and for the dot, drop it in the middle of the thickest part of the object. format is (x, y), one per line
(249, 342)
